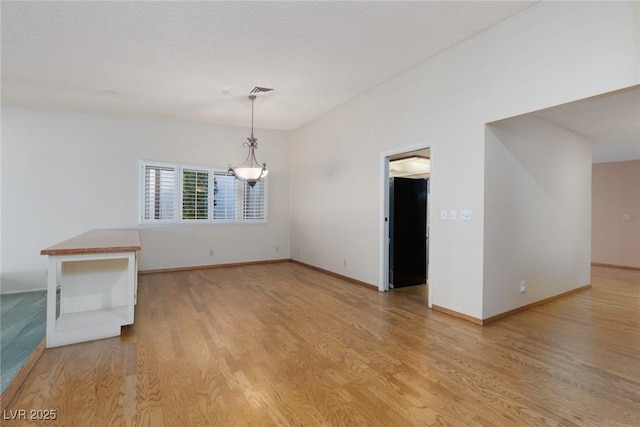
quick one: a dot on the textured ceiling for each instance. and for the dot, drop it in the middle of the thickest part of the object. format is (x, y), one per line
(171, 59)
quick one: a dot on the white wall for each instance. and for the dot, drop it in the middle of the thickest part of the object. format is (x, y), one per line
(551, 53)
(537, 212)
(66, 173)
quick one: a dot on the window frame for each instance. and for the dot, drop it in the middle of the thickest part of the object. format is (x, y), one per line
(178, 198)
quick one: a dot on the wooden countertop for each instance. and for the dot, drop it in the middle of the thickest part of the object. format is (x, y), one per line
(97, 242)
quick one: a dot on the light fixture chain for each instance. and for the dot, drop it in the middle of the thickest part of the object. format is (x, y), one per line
(253, 99)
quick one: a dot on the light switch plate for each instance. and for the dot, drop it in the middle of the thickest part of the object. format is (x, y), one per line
(443, 214)
(453, 214)
(465, 214)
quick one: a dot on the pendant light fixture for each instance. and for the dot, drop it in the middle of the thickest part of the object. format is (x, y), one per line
(250, 170)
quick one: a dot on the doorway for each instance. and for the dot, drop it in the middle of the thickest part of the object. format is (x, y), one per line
(405, 251)
(408, 236)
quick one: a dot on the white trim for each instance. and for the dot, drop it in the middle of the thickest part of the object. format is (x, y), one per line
(23, 291)
(383, 281)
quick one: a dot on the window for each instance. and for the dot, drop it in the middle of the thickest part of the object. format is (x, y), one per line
(253, 201)
(224, 196)
(159, 190)
(195, 194)
(174, 193)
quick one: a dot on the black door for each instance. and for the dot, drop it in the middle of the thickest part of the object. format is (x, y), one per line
(407, 232)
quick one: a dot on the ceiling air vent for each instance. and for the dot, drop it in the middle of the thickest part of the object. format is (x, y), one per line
(258, 89)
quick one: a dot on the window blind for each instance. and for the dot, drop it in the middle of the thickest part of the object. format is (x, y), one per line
(224, 196)
(174, 193)
(159, 192)
(253, 201)
(195, 194)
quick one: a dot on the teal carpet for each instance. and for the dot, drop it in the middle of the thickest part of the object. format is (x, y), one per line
(22, 327)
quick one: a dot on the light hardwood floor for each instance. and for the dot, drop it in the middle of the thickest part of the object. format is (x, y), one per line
(281, 344)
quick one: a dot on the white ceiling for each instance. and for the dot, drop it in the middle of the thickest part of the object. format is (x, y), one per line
(611, 122)
(171, 59)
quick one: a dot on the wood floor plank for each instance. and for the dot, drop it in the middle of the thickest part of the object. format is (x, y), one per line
(282, 344)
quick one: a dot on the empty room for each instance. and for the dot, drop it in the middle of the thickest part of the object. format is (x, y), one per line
(201, 213)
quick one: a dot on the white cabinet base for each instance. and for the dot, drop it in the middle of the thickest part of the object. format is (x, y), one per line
(97, 296)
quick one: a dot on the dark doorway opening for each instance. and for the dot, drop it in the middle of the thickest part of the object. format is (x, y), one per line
(408, 232)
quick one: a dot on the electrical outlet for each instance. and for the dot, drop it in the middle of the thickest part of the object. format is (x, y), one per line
(523, 287)
(211, 252)
(277, 248)
(626, 217)
(344, 262)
